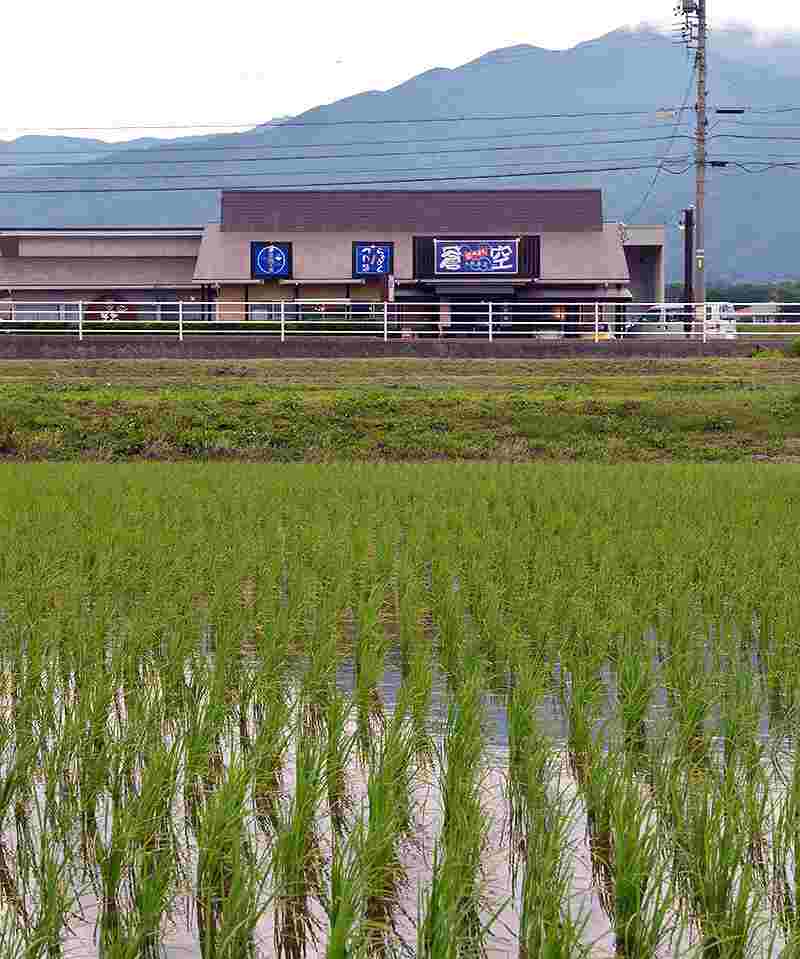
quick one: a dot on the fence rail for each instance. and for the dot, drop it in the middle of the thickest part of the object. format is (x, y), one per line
(405, 320)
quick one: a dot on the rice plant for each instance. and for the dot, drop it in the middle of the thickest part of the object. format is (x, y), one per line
(297, 858)
(230, 880)
(542, 860)
(712, 863)
(462, 763)
(642, 903)
(389, 824)
(284, 701)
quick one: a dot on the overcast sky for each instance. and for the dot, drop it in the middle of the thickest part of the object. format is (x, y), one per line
(97, 64)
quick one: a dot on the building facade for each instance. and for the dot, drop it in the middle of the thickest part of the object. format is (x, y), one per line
(446, 247)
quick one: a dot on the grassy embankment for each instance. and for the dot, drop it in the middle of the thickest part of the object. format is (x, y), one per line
(318, 410)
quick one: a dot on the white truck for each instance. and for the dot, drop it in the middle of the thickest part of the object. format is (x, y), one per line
(720, 321)
(674, 319)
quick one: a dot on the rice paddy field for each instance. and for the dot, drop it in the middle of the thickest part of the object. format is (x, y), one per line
(452, 710)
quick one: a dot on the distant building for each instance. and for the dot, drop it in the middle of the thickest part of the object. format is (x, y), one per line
(509, 246)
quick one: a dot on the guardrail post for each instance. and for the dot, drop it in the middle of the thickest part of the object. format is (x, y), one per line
(283, 321)
(491, 331)
(385, 322)
(597, 322)
(80, 320)
(705, 328)
(180, 321)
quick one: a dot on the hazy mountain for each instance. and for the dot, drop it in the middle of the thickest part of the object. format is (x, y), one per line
(387, 138)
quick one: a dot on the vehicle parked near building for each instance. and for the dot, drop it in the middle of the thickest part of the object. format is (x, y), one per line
(678, 319)
(721, 321)
(662, 319)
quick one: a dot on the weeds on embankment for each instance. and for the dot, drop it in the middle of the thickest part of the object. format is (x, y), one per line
(697, 410)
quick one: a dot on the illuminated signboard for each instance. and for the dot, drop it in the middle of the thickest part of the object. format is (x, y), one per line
(270, 260)
(470, 257)
(373, 259)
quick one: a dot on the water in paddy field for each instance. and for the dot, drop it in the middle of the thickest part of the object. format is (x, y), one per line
(586, 854)
(425, 713)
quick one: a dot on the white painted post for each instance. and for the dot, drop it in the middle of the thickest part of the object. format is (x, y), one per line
(283, 321)
(385, 322)
(491, 331)
(597, 322)
(80, 320)
(180, 321)
(705, 329)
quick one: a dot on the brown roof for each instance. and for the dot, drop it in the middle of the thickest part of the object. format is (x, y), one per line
(416, 211)
(582, 257)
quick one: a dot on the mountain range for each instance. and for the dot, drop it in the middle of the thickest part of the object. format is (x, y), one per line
(603, 113)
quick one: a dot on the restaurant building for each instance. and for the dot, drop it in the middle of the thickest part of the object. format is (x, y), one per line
(354, 246)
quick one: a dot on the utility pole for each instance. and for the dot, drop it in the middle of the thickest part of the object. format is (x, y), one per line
(694, 32)
(688, 255)
(700, 159)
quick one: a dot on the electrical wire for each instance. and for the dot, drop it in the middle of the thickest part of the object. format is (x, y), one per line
(765, 167)
(651, 186)
(774, 110)
(753, 136)
(347, 172)
(202, 147)
(365, 156)
(757, 123)
(323, 184)
(272, 125)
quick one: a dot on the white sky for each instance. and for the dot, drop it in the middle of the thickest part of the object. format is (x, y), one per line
(95, 64)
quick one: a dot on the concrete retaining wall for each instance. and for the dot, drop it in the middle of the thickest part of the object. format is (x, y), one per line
(252, 347)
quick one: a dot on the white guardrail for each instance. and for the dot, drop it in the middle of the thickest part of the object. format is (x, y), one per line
(404, 320)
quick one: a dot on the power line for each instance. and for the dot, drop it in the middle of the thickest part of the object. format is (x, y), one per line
(346, 172)
(202, 148)
(395, 153)
(766, 166)
(651, 186)
(763, 110)
(752, 136)
(464, 118)
(381, 181)
(757, 123)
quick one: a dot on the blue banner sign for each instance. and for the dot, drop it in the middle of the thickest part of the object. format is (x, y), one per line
(471, 257)
(270, 260)
(372, 259)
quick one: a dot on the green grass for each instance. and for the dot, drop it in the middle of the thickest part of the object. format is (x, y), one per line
(315, 410)
(375, 709)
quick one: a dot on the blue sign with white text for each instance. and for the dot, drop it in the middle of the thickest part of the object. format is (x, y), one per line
(372, 259)
(270, 260)
(461, 257)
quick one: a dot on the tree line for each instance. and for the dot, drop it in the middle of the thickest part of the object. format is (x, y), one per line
(784, 291)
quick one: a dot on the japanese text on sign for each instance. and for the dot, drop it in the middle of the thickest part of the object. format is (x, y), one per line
(373, 259)
(476, 256)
